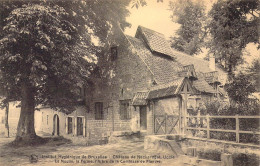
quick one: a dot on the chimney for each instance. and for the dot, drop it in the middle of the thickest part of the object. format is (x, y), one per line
(212, 64)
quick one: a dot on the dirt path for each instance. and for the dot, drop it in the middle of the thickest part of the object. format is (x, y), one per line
(122, 153)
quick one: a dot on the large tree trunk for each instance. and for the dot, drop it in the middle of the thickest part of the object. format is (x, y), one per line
(25, 129)
(6, 119)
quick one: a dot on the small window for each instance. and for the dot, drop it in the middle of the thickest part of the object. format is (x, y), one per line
(125, 110)
(47, 119)
(70, 125)
(79, 125)
(99, 113)
(113, 53)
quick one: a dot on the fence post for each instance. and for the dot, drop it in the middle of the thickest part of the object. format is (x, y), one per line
(237, 128)
(208, 127)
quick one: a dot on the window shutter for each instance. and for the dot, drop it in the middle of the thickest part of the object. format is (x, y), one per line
(75, 132)
(84, 127)
(66, 125)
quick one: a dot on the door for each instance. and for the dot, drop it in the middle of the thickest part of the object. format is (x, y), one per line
(143, 118)
(56, 125)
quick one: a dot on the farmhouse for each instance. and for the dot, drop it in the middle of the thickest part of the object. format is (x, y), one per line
(142, 85)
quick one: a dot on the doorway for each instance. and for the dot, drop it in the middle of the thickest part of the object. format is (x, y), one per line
(143, 118)
(56, 125)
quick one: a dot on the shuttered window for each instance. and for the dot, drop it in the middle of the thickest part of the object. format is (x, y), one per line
(79, 126)
(70, 125)
(125, 112)
(99, 113)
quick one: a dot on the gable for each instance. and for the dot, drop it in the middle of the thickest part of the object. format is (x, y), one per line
(164, 69)
(174, 88)
(155, 41)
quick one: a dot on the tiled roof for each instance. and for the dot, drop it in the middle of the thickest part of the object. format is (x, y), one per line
(164, 69)
(169, 91)
(165, 90)
(155, 40)
(202, 86)
(174, 65)
(200, 65)
(140, 98)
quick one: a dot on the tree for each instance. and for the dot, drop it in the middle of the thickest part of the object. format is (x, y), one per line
(191, 16)
(234, 24)
(47, 53)
(244, 84)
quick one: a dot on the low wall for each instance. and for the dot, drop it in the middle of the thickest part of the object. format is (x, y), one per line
(162, 144)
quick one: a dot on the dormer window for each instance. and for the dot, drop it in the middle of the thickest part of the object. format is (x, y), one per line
(113, 53)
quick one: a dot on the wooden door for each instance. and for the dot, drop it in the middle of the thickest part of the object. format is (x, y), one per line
(143, 118)
(56, 125)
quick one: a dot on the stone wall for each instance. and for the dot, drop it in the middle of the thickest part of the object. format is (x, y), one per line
(130, 75)
(221, 146)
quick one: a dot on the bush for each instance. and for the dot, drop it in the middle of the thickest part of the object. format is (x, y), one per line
(241, 159)
(220, 108)
(210, 155)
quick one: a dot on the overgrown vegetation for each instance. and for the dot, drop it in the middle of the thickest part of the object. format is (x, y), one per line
(210, 155)
(239, 159)
(218, 108)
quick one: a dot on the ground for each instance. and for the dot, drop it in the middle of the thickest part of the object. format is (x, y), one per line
(68, 154)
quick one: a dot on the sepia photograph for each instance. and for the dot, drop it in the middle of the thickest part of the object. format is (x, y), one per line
(130, 82)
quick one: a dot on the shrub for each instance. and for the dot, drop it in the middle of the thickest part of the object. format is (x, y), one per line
(242, 159)
(210, 155)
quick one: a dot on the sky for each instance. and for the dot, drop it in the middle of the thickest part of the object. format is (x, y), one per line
(156, 16)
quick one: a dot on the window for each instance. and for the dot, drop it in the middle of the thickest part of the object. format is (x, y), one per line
(79, 125)
(47, 119)
(125, 110)
(99, 113)
(113, 53)
(70, 125)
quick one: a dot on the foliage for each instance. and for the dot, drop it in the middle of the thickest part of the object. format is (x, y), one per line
(210, 154)
(253, 73)
(49, 46)
(242, 86)
(191, 16)
(234, 24)
(239, 159)
(242, 159)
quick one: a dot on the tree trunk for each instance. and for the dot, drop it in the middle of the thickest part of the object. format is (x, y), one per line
(25, 129)
(6, 120)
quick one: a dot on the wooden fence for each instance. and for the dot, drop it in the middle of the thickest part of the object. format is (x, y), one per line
(237, 131)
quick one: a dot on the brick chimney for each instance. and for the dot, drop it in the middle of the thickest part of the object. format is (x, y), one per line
(212, 64)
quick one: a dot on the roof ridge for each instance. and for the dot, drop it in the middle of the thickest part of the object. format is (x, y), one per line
(174, 50)
(145, 28)
(168, 84)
